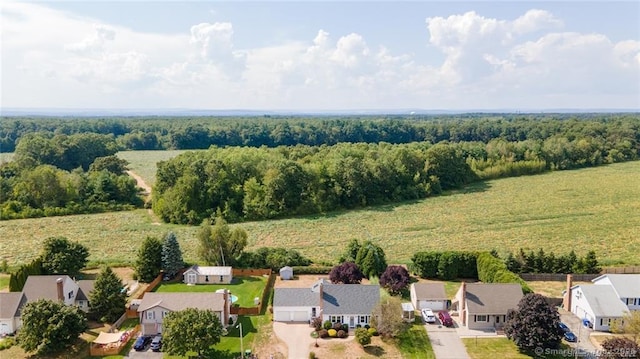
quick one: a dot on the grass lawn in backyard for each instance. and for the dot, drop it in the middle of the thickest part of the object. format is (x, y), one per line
(4, 282)
(245, 288)
(414, 343)
(492, 348)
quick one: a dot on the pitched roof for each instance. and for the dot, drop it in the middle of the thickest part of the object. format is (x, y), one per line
(626, 285)
(10, 303)
(349, 298)
(179, 301)
(603, 300)
(295, 297)
(42, 287)
(492, 298)
(429, 291)
(86, 287)
(204, 270)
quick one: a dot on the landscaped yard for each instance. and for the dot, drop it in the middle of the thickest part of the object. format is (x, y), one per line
(415, 344)
(245, 288)
(492, 348)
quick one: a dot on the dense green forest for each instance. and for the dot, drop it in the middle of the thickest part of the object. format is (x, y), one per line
(270, 167)
(161, 133)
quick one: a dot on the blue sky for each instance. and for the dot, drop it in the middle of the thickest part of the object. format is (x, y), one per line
(329, 55)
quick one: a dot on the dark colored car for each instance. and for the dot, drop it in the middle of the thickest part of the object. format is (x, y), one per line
(570, 337)
(587, 323)
(563, 327)
(141, 343)
(156, 343)
(445, 318)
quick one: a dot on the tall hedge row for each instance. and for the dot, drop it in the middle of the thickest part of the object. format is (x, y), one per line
(493, 270)
(445, 265)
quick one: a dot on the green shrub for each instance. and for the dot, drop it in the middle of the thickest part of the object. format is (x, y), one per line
(367, 326)
(373, 331)
(345, 327)
(323, 333)
(494, 270)
(311, 269)
(327, 325)
(342, 334)
(358, 325)
(7, 343)
(312, 355)
(363, 337)
(337, 326)
(332, 333)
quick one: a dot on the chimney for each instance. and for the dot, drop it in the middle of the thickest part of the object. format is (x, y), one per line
(463, 300)
(566, 300)
(59, 285)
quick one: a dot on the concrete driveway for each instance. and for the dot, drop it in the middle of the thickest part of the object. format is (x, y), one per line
(583, 333)
(445, 342)
(297, 337)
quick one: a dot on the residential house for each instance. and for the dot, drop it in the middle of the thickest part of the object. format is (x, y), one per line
(53, 287)
(428, 295)
(208, 275)
(597, 303)
(351, 304)
(155, 306)
(485, 305)
(625, 286)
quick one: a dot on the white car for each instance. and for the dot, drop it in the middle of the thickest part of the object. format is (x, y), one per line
(428, 316)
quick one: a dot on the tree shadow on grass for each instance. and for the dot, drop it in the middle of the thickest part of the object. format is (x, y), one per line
(375, 350)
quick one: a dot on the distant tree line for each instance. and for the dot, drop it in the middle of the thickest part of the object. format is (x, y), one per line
(161, 133)
(60, 175)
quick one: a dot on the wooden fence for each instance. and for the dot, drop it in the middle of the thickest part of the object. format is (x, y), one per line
(556, 277)
(239, 272)
(97, 350)
(621, 270)
(263, 299)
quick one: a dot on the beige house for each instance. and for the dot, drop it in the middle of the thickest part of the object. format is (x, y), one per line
(485, 305)
(428, 295)
(155, 306)
(208, 275)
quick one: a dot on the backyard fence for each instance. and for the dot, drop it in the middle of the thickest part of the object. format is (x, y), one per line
(621, 270)
(556, 277)
(250, 272)
(97, 350)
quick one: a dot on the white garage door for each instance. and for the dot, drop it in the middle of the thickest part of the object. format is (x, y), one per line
(299, 316)
(432, 304)
(290, 316)
(281, 315)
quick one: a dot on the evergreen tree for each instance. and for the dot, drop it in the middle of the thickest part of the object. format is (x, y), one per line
(513, 264)
(107, 301)
(590, 263)
(171, 255)
(371, 260)
(149, 261)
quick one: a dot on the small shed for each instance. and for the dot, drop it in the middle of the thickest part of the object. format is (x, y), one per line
(408, 312)
(286, 273)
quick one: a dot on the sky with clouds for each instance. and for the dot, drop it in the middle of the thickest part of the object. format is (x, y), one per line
(309, 56)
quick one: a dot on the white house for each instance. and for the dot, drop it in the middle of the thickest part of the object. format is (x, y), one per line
(208, 275)
(286, 273)
(597, 303)
(351, 304)
(10, 304)
(428, 295)
(155, 306)
(485, 305)
(625, 286)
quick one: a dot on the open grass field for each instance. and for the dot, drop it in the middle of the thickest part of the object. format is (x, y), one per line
(491, 348)
(245, 288)
(144, 162)
(594, 208)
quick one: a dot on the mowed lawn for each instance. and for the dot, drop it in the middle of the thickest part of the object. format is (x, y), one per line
(245, 288)
(491, 348)
(593, 208)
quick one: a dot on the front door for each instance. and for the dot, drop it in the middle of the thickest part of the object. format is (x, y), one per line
(352, 322)
(191, 278)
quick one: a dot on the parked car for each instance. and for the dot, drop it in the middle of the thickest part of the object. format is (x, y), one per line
(570, 337)
(563, 327)
(428, 316)
(587, 323)
(156, 343)
(141, 343)
(445, 318)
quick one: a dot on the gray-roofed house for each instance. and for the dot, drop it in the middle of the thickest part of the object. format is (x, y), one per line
(208, 275)
(155, 306)
(485, 305)
(625, 286)
(428, 295)
(10, 305)
(597, 303)
(351, 304)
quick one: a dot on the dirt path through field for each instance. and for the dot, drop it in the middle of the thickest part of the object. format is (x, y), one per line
(147, 194)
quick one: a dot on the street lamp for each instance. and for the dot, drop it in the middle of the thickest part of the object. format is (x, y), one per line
(241, 345)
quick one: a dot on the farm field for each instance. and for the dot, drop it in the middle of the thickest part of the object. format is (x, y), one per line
(144, 162)
(594, 208)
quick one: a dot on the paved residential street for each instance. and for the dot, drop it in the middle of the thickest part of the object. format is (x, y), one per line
(445, 342)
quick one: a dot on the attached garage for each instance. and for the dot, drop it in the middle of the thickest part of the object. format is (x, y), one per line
(428, 295)
(432, 304)
(291, 314)
(295, 304)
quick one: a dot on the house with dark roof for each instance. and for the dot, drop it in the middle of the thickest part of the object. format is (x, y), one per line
(155, 306)
(485, 305)
(53, 287)
(350, 304)
(208, 275)
(428, 295)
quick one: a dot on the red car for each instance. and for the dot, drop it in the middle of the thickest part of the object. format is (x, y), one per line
(445, 318)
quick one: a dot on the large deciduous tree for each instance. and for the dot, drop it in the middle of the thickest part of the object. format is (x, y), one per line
(49, 326)
(107, 300)
(534, 324)
(395, 279)
(149, 261)
(61, 256)
(371, 260)
(172, 261)
(448, 164)
(190, 330)
(218, 244)
(346, 273)
(387, 317)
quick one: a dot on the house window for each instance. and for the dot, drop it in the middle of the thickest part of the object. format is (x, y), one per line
(364, 319)
(206, 278)
(81, 303)
(221, 279)
(482, 318)
(151, 314)
(70, 294)
(335, 318)
(164, 313)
